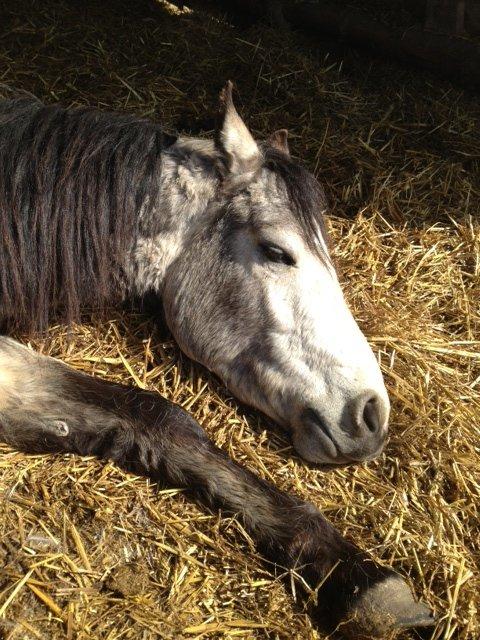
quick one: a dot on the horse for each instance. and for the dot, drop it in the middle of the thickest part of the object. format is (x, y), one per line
(97, 208)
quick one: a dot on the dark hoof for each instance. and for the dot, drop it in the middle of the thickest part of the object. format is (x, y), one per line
(385, 607)
(420, 615)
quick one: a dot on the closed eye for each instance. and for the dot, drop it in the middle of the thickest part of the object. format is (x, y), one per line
(274, 253)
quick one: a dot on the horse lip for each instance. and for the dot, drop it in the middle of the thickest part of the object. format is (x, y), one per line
(313, 418)
(324, 428)
(332, 449)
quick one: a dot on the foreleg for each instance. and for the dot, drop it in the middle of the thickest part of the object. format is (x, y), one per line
(57, 409)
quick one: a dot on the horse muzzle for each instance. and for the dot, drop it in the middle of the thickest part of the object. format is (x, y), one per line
(355, 432)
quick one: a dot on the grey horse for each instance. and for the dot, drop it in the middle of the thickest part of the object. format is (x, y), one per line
(230, 235)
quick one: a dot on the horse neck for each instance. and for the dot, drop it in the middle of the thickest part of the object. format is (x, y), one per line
(188, 185)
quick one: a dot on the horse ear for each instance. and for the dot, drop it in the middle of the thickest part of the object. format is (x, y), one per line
(239, 153)
(279, 141)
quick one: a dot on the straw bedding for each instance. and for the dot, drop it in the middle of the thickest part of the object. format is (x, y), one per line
(88, 552)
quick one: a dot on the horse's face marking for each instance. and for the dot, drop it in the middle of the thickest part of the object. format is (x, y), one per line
(254, 297)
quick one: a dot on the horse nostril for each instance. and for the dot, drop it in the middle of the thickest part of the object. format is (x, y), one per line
(372, 413)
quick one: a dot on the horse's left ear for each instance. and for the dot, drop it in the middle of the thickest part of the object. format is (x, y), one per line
(279, 141)
(239, 153)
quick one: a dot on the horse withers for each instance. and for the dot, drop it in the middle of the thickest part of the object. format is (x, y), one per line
(96, 208)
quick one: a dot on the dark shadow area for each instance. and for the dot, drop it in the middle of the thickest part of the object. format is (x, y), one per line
(377, 134)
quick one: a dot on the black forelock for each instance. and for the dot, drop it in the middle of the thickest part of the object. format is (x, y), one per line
(306, 195)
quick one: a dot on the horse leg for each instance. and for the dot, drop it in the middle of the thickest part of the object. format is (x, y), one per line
(45, 406)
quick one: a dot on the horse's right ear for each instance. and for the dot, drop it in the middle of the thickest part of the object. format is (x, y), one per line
(239, 155)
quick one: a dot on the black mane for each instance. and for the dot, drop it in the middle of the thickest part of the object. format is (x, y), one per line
(71, 185)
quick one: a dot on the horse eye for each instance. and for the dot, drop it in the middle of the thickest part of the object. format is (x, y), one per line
(273, 253)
